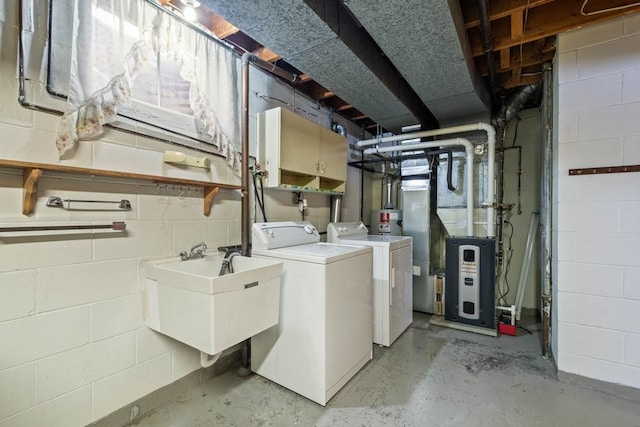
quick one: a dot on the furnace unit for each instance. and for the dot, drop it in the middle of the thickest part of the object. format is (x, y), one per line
(470, 284)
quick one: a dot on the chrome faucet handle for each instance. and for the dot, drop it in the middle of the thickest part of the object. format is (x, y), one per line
(198, 250)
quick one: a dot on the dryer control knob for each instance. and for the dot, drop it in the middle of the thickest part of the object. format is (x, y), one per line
(309, 229)
(270, 233)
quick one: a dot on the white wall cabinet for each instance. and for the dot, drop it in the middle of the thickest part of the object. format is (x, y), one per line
(299, 154)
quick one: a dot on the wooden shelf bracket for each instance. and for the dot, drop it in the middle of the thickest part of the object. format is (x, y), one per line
(32, 172)
(30, 178)
(209, 194)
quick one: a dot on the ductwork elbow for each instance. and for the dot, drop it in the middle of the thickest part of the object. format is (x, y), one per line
(515, 104)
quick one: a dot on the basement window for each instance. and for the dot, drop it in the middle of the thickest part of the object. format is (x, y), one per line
(163, 78)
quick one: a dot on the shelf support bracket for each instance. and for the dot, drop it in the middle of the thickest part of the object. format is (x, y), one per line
(30, 178)
(210, 193)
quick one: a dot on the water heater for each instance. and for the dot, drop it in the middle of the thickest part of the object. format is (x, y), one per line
(470, 280)
(386, 222)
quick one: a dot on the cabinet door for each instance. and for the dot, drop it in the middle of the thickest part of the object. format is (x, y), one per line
(333, 155)
(299, 144)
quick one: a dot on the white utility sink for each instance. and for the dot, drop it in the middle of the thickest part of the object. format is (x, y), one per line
(190, 302)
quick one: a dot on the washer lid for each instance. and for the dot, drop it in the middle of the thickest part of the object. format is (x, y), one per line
(318, 253)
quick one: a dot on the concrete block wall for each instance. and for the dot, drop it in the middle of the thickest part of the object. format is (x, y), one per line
(73, 342)
(597, 268)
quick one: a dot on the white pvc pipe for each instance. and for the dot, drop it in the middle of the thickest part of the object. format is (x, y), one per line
(491, 192)
(468, 146)
(491, 148)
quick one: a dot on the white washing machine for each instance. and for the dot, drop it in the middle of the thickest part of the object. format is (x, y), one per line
(324, 334)
(392, 277)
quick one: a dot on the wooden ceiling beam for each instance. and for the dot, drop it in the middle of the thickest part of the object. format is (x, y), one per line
(497, 9)
(505, 59)
(221, 28)
(530, 56)
(542, 22)
(316, 91)
(327, 94)
(517, 25)
(267, 54)
(528, 62)
(509, 83)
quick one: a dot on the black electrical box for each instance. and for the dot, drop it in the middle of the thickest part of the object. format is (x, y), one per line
(470, 286)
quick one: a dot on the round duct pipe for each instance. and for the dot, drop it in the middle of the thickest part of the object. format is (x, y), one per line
(514, 104)
(336, 209)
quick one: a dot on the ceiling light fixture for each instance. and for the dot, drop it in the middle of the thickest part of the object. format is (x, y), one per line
(189, 9)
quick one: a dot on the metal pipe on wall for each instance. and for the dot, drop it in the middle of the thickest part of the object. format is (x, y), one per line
(246, 59)
(546, 200)
(244, 174)
(468, 146)
(244, 216)
(491, 148)
(485, 31)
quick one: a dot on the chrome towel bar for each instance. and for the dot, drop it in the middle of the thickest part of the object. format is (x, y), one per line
(57, 202)
(116, 226)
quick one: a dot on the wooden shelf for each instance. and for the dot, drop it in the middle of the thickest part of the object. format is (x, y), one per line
(32, 172)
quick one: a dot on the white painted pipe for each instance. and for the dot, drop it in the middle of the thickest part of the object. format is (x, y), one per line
(468, 146)
(491, 148)
(491, 192)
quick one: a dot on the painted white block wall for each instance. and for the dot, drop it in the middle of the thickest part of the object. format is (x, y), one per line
(527, 137)
(597, 294)
(73, 345)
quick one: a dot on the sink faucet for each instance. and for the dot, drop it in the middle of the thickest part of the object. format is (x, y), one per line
(226, 266)
(196, 251)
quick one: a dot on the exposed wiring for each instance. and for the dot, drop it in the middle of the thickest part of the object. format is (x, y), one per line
(519, 172)
(524, 27)
(504, 292)
(256, 174)
(515, 133)
(609, 9)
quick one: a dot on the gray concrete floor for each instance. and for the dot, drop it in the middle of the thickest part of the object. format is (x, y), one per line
(431, 376)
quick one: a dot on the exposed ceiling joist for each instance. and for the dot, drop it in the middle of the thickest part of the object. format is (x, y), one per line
(338, 17)
(555, 18)
(497, 9)
(374, 45)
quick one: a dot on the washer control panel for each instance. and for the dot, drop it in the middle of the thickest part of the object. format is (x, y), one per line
(272, 235)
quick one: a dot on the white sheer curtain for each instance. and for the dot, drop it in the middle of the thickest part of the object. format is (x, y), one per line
(131, 58)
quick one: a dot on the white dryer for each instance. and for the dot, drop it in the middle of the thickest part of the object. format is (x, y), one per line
(392, 277)
(324, 333)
